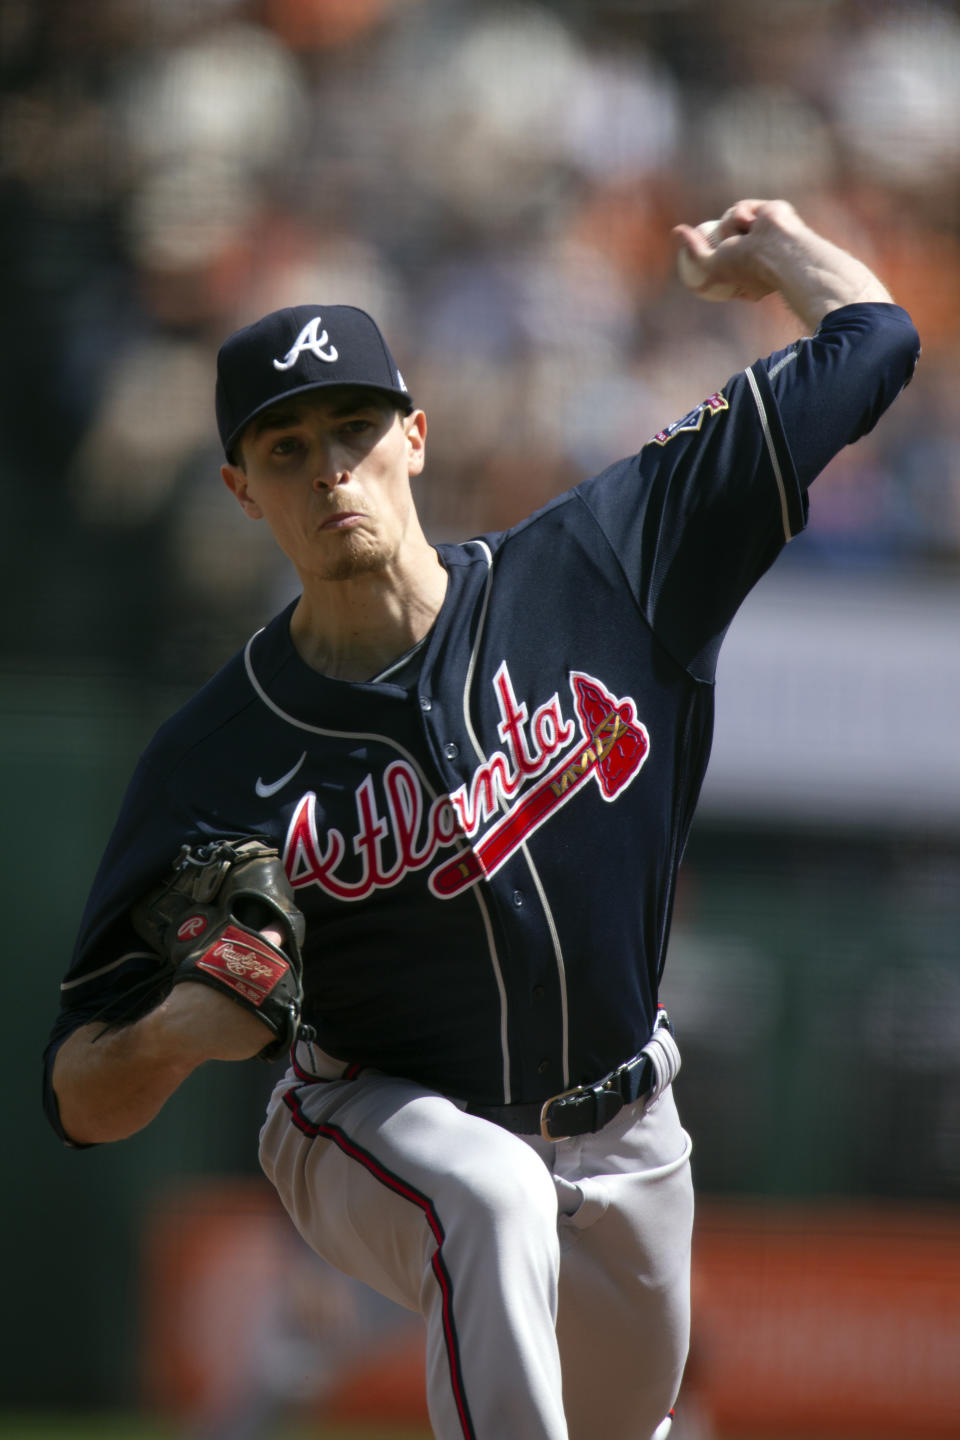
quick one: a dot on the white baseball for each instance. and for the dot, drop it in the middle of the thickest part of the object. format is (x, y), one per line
(692, 273)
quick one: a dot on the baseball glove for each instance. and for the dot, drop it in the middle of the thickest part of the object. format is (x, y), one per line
(205, 921)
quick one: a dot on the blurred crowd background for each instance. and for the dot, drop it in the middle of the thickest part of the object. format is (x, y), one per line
(497, 184)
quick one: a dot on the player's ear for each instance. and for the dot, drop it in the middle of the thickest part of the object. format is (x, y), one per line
(415, 429)
(235, 480)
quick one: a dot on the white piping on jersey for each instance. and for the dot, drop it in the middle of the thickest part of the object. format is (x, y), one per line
(561, 968)
(771, 451)
(105, 969)
(429, 790)
(398, 664)
(472, 665)
(468, 726)
(320, 730)
(501, 990)
(551, 924)
(788, 359)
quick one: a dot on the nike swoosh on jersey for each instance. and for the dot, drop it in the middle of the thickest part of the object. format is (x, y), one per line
(265, 790)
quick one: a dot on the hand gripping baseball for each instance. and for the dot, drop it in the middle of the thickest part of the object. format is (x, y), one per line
(206, 921)
(724, 259)
(758, 247)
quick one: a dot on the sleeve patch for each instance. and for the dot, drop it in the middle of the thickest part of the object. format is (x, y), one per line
(713, 405)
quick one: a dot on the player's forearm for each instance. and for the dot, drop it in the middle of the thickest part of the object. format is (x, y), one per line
(111, 1083)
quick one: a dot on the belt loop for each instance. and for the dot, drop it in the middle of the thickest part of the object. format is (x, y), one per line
(664, 1055)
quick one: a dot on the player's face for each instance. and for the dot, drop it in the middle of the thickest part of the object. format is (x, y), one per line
(330, 474)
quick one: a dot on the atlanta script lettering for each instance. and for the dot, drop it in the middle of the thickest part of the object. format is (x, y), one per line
(518, 788)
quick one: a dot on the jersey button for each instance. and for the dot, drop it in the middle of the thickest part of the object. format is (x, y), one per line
(451, 750)
(538, 992)
(425, 702)
(518, 898)
(543, 1067)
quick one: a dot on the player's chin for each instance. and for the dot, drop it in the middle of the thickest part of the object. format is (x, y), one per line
(356, 558)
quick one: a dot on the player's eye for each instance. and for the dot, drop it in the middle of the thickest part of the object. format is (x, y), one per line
(355, 427)
(286, 445)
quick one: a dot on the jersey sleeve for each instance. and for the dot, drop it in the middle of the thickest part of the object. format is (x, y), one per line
(703, 510)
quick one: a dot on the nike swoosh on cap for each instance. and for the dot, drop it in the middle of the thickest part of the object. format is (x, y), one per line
(265, 790)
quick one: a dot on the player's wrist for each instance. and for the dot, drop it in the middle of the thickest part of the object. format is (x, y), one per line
(811, 274)
(197, 1023)
(169, 1039)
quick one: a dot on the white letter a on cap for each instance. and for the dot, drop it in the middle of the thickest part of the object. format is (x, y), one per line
(308, 339)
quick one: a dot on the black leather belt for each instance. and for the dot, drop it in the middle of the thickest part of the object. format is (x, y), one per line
(582, 1110)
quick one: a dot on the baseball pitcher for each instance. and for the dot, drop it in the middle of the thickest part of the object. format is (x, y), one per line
(422, 837)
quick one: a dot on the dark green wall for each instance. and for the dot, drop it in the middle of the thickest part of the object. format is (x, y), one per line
(72, 1219)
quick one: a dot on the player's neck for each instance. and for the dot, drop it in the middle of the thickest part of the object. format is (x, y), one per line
(352, 629)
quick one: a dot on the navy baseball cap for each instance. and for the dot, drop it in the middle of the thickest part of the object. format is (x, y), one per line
(304, 347)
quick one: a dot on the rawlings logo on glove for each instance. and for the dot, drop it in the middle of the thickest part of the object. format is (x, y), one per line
(206, 921)
(254, 964)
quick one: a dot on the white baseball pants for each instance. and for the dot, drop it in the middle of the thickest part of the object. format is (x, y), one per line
(553, 1277)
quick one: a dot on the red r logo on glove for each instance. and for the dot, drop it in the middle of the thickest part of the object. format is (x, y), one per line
(190, 928)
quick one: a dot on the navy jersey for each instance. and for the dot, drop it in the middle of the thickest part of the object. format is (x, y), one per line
(486, 855)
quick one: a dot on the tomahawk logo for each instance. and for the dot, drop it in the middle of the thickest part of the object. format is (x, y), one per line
(614, 745)
(546, 760)
(308, 339)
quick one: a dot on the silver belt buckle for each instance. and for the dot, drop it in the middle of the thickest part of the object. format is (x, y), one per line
(561, 1095)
